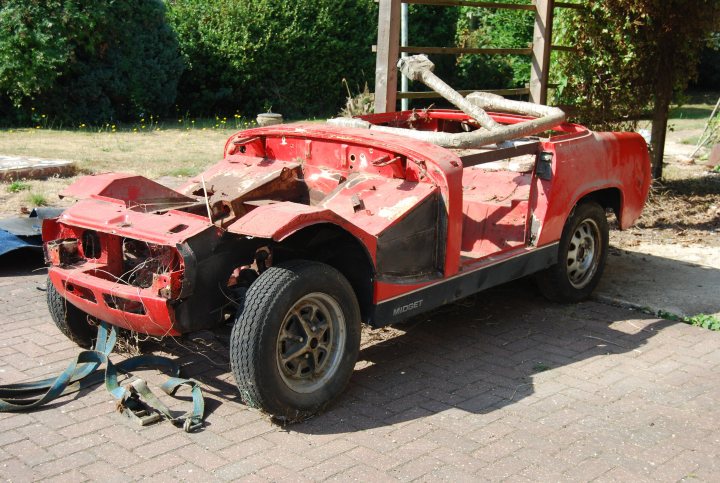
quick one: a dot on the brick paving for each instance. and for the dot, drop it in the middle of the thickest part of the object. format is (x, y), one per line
(502, 386)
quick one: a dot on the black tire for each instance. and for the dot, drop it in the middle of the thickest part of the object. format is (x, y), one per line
(71, 321)
(582, 254)
(324, 327)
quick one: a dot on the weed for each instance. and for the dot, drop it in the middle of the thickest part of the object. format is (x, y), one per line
(18, 186)
(360, 104)
(37, 199)
(705, 321)
(716, 169)
(669, 316)
(541, 367)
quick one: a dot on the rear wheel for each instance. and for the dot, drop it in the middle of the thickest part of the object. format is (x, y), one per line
(582, 253)
(294, 346)
(71, 321)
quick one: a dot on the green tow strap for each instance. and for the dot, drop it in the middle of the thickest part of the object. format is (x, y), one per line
(83, 372)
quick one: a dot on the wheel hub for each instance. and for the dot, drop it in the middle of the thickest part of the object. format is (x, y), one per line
(583, 253)
(310, 342)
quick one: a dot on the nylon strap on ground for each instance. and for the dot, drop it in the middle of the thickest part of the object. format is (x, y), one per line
(83, 372)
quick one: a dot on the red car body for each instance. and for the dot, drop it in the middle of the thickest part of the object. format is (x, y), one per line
(411, 225)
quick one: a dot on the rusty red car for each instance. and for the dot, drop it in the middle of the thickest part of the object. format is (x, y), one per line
(303, 232)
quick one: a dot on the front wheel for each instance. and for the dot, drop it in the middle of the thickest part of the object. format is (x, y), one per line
(582, 253)
(72, 322)
(294, 346)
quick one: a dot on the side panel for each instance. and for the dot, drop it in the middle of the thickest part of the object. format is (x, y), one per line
(412, 303)
(410, 247)
(280, 220)
(587, 163)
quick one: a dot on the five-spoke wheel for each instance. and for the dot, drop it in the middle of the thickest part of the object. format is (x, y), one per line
(583, 253)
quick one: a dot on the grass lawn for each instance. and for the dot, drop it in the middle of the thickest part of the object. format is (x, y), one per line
(174, 152)
(693, 115)
(168, 152)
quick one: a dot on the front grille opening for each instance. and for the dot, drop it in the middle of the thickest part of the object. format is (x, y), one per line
(142, 261)
(126, 305)
(91, 244)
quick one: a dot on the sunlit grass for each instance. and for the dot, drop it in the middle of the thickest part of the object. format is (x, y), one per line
(151, 147)
(694, 113)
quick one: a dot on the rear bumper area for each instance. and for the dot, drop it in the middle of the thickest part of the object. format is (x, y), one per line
(126, 306)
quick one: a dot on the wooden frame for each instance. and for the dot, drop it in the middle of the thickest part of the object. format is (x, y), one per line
(388, 49)
(388, 53)
(542, 42)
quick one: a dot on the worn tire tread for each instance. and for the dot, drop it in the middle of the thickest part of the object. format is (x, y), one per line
(71, 321)
(552, 282)
(261, 295)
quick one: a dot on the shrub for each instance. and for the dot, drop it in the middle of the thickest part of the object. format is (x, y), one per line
(90, 61)
(632, 55)
(494, 28)
(257, 54)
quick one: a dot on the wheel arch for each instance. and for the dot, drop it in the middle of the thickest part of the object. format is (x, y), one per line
(607, 198)
(333, 245)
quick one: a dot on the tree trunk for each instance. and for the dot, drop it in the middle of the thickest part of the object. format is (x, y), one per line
(663, 97)
(659, 129)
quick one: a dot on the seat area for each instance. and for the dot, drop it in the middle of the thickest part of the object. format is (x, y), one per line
(495, 209)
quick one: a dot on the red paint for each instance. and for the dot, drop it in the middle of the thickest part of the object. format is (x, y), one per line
(361, 181)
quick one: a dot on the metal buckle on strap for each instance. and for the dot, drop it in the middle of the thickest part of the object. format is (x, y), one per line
(133, 408)
(191, 424)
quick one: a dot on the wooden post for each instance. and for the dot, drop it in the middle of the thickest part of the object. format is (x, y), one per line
(388, 52)
(542, 42)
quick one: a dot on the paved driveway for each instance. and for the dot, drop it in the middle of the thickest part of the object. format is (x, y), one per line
(503, 386)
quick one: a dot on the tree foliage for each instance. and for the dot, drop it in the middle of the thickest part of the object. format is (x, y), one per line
(708, 77)
(257, 54)
(632, 55)
(93, 61)
(494, 28)
(117, 59)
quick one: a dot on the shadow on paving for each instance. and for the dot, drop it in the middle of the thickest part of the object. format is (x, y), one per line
(681, 287)
(478, 355)
(23, 262)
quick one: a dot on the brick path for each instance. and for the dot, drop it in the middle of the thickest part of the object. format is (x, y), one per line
(501, 387)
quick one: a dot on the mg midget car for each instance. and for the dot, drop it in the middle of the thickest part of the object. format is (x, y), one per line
(303, 232)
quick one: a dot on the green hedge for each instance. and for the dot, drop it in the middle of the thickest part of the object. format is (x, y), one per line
(440, 26)
(77, 61)
(256, 54)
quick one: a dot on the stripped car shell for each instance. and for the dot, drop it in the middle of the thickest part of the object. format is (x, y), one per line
(415, 215)
(304, 231)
